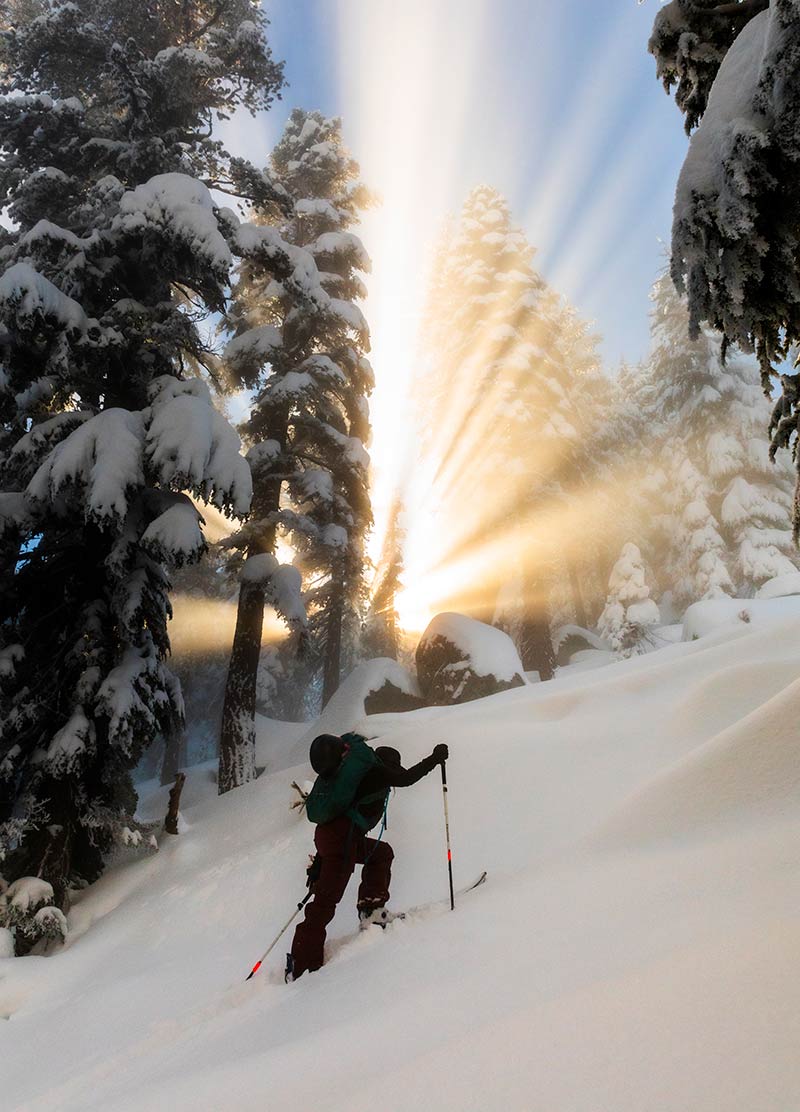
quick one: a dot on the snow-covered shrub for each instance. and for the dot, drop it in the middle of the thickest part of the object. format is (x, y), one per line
(27, 911)
(630, 614)
(460, 659)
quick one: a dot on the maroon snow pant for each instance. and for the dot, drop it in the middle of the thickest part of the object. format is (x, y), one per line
(340, 846)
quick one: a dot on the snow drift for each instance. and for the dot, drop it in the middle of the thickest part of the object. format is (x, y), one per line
(635, 947)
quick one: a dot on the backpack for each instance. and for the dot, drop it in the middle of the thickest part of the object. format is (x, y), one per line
(333, 796)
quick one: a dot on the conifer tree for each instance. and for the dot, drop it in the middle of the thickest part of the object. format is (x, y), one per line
(381, 629)
(505, 420)
(628, 481)
(629, 613)
(729, 507)
(736, 223)
(116, 256)
(309, 421)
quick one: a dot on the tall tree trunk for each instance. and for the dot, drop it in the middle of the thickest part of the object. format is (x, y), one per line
(237, 741)
(577, 594)
(173, 811)
(174, 754)
(237, 754)
(392, 636)
(536, 644)
(333, 642)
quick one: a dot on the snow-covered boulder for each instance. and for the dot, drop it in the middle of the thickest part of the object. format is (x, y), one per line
(460, 659)
(399, 691)
(347, 709)
(780, 586)
(571, 639)
(367, 685)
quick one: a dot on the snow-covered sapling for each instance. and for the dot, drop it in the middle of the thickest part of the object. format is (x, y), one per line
(630, 614)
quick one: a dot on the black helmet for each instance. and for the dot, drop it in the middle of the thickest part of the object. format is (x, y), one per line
(326, 754)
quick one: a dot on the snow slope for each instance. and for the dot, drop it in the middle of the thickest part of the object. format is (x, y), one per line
(637, 946)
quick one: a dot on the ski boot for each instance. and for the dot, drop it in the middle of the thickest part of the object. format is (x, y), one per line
(288, 975)
(377, 917)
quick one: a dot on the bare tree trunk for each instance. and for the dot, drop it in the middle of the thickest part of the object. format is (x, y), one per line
(392, 636)
(577, 594)
(333, 643)
(536, 645)
(171, 821)
(174, 755)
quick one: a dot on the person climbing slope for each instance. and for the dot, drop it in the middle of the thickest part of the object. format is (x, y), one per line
(348, 799)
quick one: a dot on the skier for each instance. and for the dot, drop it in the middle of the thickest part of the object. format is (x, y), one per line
(341, 841)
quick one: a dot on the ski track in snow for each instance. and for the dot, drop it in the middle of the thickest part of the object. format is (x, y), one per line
(637, 947)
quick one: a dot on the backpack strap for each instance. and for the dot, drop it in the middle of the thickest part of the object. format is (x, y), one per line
(380, 832)
(354, 813)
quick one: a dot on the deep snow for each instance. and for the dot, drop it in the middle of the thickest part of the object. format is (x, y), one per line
(637, 947)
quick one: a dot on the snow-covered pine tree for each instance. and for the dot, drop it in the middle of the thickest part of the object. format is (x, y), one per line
(503, 422)
(309, 419)
(381, 637)
(736, 226)
(624, 439)
(696, 564)
(729, 507)
(116, 256)
(630, 613)
(583, 515)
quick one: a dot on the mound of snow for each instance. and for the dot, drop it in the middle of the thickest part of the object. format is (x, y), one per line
(703, 618)
(585, 660)
(748, 771)
(641, 832)
(780, 586)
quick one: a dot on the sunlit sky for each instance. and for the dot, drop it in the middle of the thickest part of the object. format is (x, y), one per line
(555, 104)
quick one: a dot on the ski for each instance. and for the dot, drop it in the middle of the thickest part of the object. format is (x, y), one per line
(475, 884)
(458, 892)
(446, 900)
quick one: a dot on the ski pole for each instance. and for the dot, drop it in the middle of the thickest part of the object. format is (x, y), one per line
(447, 833)
(283, 931)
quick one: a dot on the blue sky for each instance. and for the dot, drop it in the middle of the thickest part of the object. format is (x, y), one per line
(563, 114)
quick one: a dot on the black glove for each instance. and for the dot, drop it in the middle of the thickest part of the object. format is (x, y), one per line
(440, 753)
(313, 871)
